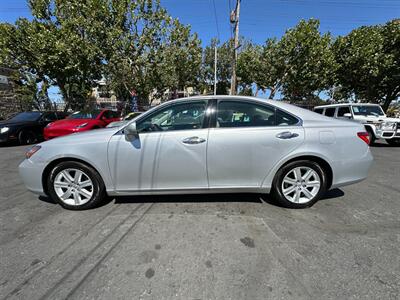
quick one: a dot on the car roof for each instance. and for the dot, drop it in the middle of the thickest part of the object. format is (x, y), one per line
(301, 113)
(346, 104)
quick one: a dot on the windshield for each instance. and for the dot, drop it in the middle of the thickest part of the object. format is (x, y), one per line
(132, 115)
(365, 110)
(27, 116)
(84, 115)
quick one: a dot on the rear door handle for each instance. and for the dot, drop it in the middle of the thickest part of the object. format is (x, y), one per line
(193, 140)
(286, 135)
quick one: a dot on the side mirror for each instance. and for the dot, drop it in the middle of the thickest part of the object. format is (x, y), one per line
(131, 132)
(347, 115)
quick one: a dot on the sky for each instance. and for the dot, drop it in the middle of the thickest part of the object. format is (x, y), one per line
(259, 19)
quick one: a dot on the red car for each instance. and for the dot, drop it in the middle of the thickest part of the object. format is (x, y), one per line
(80, 121)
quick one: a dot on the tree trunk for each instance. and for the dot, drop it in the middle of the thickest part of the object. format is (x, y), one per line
(273, 91)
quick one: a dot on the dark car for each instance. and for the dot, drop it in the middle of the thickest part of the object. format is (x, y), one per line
(27, 127)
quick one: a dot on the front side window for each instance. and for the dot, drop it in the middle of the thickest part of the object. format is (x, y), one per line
(343, 110)
(183, 116)
(84, 115)
(330, 112)
(49, 117)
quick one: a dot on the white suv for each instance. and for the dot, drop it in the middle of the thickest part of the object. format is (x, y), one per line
(378, 125)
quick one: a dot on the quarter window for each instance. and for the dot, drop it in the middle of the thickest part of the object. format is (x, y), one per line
(183, 116)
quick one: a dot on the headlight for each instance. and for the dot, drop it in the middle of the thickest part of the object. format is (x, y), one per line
(81, 125)
(4, 129)
(388, 126)
(32, 151)
(48, 125)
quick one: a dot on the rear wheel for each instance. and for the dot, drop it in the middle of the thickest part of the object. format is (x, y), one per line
(393, 142)
(75, 186)
(26, 137)
(299, 184)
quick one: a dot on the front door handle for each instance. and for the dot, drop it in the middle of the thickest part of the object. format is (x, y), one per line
(286, 135)
(193, 140)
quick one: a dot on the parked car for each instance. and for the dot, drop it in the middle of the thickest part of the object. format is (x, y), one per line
(377, 124)
(207, 144)
(125, 120)
(27, 127)
(80, 121)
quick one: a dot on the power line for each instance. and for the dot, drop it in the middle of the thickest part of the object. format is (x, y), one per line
(216, 19)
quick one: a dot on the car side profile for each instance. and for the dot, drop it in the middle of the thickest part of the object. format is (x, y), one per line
(378, 125)
(208, 144)
(27, 127)
(81, 121)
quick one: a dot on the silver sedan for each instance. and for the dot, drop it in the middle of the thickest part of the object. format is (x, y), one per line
(213, 144)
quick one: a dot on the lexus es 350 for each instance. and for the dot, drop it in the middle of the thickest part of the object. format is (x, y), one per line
(206, 144)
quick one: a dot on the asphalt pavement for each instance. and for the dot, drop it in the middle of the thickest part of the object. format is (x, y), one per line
(347, 246)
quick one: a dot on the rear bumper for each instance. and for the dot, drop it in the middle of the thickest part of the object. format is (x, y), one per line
(349, 172)
(31, 175)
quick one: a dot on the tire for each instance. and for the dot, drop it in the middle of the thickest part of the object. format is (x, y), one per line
(394, 142)
(372, 137)
(286, 178)
(84, 185)
(26, 137)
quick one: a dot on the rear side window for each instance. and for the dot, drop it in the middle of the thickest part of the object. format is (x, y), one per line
(244, 114)
(248, 114)
(330, 112)
(343, 110)
(319, 110)
(284, 119)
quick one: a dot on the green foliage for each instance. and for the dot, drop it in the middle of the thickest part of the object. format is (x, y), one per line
(309, 62)
(369, 63)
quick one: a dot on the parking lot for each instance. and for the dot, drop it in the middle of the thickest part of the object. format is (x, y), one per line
(203, 247)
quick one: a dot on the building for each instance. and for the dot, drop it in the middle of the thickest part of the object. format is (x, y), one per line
(8, 101)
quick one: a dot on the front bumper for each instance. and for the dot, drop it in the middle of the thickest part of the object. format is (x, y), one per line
(31, 174)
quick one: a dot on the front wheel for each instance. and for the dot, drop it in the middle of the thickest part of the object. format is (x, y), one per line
(75, 186)
(26, 137)
(299, 184)
(393, 142)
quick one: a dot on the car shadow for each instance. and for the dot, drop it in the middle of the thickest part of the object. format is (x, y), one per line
(201, 198)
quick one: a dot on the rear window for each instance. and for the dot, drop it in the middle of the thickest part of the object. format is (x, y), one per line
(330, 112)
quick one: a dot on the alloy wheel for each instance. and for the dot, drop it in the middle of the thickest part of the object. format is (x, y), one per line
(73, 186)
(300, 185)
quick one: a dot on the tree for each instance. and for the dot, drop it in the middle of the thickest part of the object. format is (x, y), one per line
(308, 59)
(262, 66)
(61, 44)
(180, 67)
(369, 63)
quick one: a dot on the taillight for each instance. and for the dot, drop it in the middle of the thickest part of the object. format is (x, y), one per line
(364, 136)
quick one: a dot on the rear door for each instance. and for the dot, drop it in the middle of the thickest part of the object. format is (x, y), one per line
(249, 138)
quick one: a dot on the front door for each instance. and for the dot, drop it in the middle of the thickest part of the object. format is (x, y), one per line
(170, 153)
(248, 140)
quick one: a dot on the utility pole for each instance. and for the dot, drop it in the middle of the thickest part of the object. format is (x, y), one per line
(215, 69)
(235, 19)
